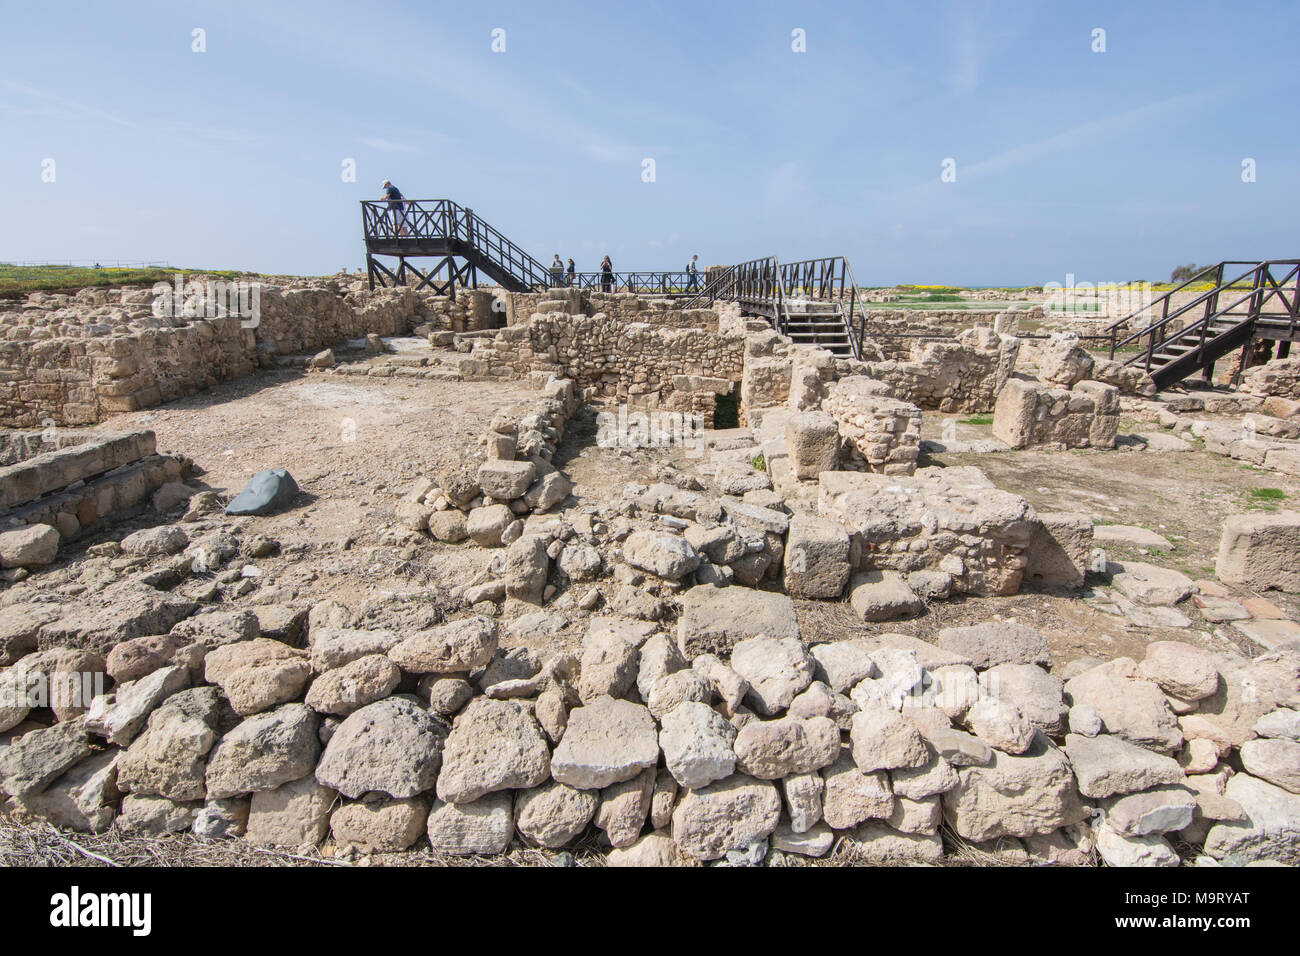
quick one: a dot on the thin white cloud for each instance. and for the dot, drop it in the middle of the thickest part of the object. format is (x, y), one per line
(385, 145)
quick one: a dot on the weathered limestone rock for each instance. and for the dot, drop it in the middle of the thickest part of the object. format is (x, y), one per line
(816, 558)
(663, 554)
(258, 674)
(380, 824)
(657, 657)
(605, 742)
(697, 744)
(1159, 810)
(333, 647)
(486, 525)
(728, 686)
(291, 815)
(813, 441)
(653, 849)
(611, 652)
(883, 739)
(731, 814)
(1271, 830)
(120, 716)
(1030, 413)
(996, 642)
(1283, 723)
(1015, 795)
(816, 841)
(1059, 551)
(527, 565)
(554, 815)
(1064, 362)
(493, 745)
(842, 665)
(84, 798)
(149, 542)
(1118, 849)
(623, 808)
(453, 648)
(264, 751)
(1106, 765)
(852, 796)
(149, 816)
(392, 746)
(1129, 706)
(1001, 725)
(506, 480)
(19, 631)
(38, 758)
(33, 546)
(169, 759)
(877, 844)
(450, 526)
(547, 492)
(921, 816)
(804, 793)
(916, 783)
(941, 519)
(482, 827)
(772, 749)
(714, 619)
(776, 669)
(1183, 670)
(882, 596)
(1275, 761)
(140, 656)
(217, 628)
(1040, 696)
(1150, 585)
(1259, 551)
(355, 684)
(662, 800)
(221, 820)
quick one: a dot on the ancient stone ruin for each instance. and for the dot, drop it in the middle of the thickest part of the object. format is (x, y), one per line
(662, 585)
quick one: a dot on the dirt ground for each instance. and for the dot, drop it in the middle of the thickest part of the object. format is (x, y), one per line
(355, 444)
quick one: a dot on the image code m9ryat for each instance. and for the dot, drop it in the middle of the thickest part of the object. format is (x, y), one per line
(649, 435)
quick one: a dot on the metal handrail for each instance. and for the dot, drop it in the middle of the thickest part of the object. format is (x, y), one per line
(445, 219)
(1262, 288)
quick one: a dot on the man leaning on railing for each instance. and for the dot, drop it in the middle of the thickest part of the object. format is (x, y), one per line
(396, 207)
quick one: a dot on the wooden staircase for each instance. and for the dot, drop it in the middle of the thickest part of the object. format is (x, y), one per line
(1240, 306)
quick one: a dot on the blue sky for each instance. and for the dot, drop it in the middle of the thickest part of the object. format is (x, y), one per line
(1112, 166)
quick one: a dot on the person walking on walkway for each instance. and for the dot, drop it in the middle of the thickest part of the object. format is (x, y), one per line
(557, 272)
(606, 275)
(573, 271)
(396, 207)
(693, 274)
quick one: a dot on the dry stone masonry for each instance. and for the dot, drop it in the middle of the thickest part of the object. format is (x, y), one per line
(695, 667)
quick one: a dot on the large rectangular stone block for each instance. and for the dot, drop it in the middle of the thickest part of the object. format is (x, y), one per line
(1261, 551)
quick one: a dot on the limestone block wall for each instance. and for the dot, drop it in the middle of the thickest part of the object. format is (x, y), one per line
(1031, 413)
(618, 306)
(896, 334)
(93, 478)
(77, 359)
(948, 520)
(880, 434)
(1280, 378)
(634, 362)
(961, 376)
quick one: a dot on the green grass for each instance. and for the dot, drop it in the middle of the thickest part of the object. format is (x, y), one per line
(759, 462)
(1267, 494)
(977, 420)
(20, 279)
